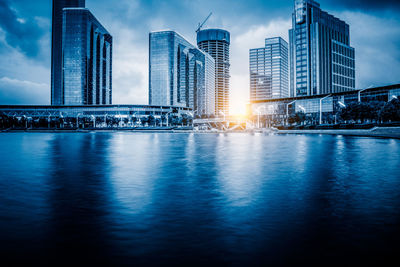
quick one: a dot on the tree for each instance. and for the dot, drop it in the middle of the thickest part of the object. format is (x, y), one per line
(126, 120)
(391, 111)
(152, 120)
(362, 111)
(185, 119)
(299, 118)
(99, 120)
(109, 121)
(144, 120)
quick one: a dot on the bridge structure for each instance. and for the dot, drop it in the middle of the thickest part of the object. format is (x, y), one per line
(229, 123)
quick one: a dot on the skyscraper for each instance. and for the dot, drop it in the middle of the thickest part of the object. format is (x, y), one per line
(86, 60)
(321, 58)
(216, 42)
(269, 70)
(180, 74)
(201, 82)
(56, 47)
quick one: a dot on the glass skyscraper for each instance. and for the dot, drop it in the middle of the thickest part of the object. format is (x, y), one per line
(321, 58)
(269, 70)
(56, 47)
(216, 42)
(86, 60)
(180, 74)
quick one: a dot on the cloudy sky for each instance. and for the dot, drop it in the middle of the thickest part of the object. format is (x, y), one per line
(25, 33)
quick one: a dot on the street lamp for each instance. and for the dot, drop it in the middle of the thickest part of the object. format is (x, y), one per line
(192, 115)
(77, 120)
(168, 117)
(94, 120)
(287, 111)
(320, 108)
(48, 121)
(26, 121)
(359, 95)
(223, 114)
(258, 114)
(341, 104)
(359, 92)
(61, 119)
(393, 97)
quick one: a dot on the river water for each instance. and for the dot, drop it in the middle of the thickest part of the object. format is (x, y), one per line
(198, 199)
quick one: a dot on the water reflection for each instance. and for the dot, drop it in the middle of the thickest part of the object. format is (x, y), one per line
(79, 196)
(198, 198)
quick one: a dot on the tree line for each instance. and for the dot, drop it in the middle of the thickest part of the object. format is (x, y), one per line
(108, 121)
(375, 112)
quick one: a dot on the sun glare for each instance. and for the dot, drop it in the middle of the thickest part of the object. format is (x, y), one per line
(238, 106)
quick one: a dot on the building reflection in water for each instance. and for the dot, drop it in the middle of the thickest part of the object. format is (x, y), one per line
(79, 196)
(156, 198)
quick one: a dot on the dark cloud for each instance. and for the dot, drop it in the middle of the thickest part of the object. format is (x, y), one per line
(370, 5)
(374, 25)
(21, 33)
(20, 92)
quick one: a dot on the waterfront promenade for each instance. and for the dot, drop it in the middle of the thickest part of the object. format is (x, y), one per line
(387, 132)
(380, 132)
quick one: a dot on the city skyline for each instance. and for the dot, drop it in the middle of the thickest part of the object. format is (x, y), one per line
(27, 75)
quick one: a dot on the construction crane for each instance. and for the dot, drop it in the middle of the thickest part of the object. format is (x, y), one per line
(202, 24)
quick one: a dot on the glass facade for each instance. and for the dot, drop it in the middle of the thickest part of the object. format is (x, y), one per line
(269, 70)
(321, 58)
(330, 103)
(216, 42)
(88, 111)
(87, 59)
(201, 82)
(180, 74)
(56, 47)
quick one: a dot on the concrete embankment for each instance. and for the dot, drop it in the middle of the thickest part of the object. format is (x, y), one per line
(386, 132)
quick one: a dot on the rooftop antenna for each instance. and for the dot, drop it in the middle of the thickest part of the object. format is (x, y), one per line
(202, 24)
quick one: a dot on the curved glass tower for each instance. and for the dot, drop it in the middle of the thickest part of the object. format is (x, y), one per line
(86, 59)
(216, 43)
(56, 47)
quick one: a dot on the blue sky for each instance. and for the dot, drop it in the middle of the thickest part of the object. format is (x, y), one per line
(25, 32)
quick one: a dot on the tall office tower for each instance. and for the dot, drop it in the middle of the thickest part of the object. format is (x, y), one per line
(201, 82)
(87, 59)
(56, 47)
(269, 70)
(180, 74)
(216, 43)
(321, 58)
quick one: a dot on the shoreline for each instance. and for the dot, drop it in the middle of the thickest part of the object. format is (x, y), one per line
(377, 132)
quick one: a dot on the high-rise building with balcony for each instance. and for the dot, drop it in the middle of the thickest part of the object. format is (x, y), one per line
(321, 58)
(269, 70)
(56, 47)
(86, 60)
(216, 42)
(180, 74)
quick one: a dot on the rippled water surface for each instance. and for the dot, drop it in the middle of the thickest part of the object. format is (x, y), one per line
(198, 198)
